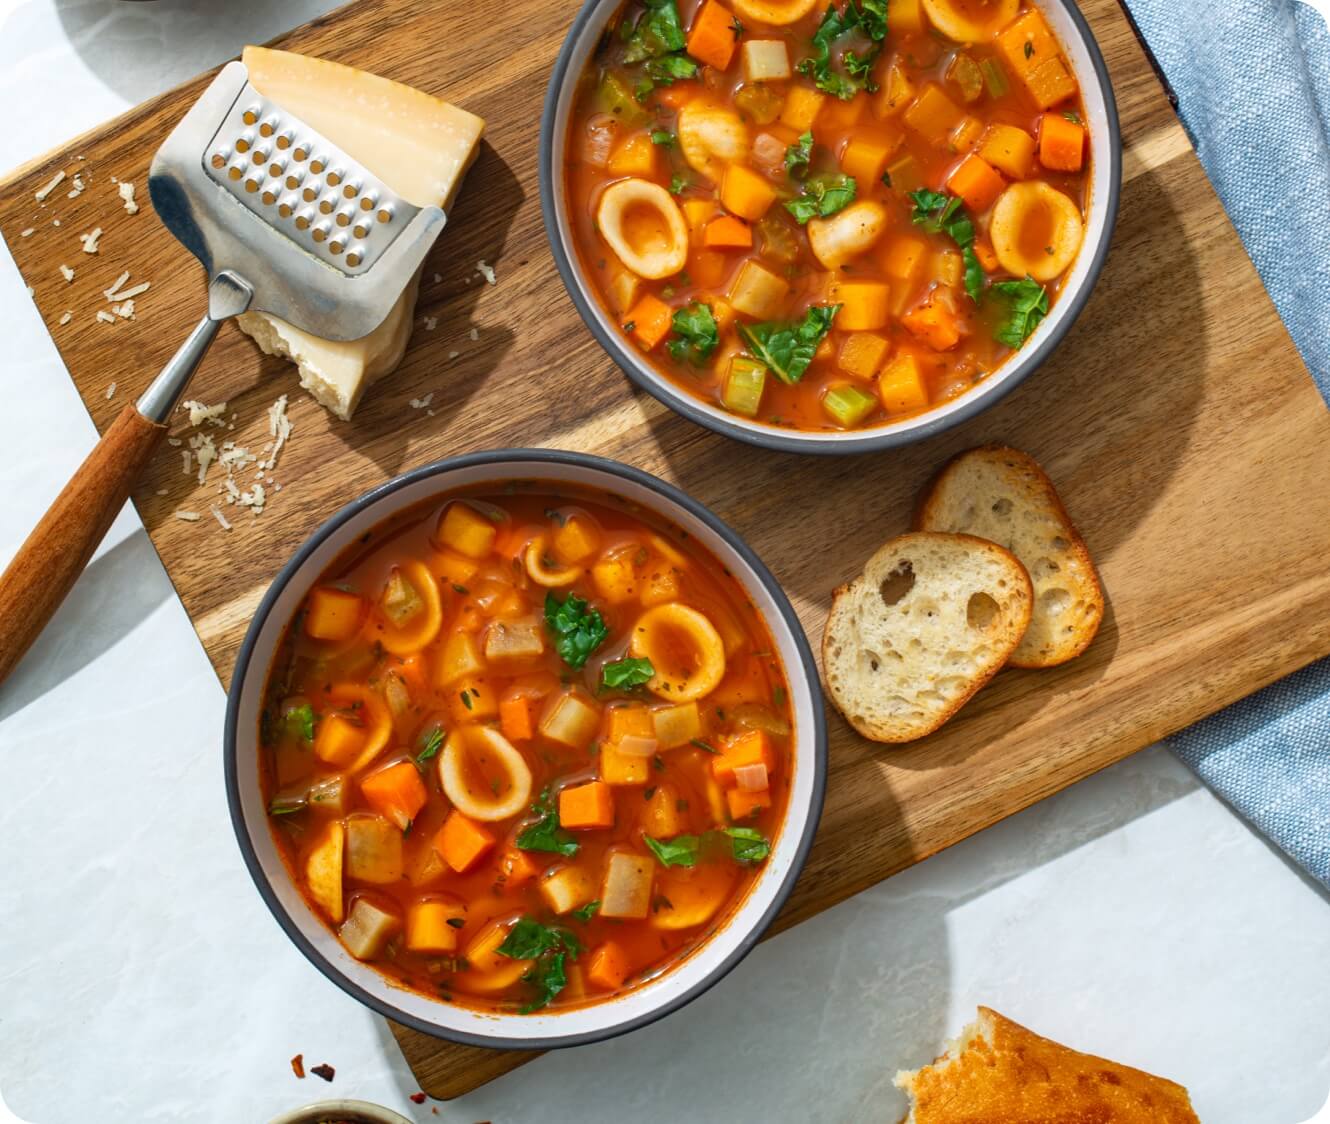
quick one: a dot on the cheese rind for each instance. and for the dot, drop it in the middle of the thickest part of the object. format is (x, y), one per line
(418, 145)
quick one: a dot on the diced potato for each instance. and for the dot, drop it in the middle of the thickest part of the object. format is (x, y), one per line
(333, 614)
(368, 929)
(428, 928)
(473, 700)
(901, 385)
(662, 819)
(466, 530)
(615, 578)
(338, 739)
(570, 719)
(624, 288)
(576, 540)
(626, 892)
(608, 967)
(567, 888)
(460, 658)
(757, 292)
(373, 850)
(522, 639)
(330, 795)
(323, 871)
(677, 725)
(622, 768)
(424, 865)
(660, 586)
(933, 115)
(765, 60)
(401, 601)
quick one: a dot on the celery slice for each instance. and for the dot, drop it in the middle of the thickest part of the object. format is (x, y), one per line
(615, 96)
(744, 383)
(995, 78)
(848, 405)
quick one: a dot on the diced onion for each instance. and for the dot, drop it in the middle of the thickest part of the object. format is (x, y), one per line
(752, 778)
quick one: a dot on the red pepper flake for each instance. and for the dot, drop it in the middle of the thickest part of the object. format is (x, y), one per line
(417, 1098)
(298, 1066)
(325, 1071)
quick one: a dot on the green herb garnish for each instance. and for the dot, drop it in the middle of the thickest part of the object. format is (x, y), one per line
(696, 332)
(705, 746)
(432, 746)
(662, 137)
(678, 184)
(787, 349)
(625, 674)
(822, 196)
(546, 834)
(941, 214)
(798, 155)
(300, 721)
(857, 22)
(550, 948)
(747, 844)
(679, 851)
(1027, 305)
(285, 805)
(578, 629)
(587, 911)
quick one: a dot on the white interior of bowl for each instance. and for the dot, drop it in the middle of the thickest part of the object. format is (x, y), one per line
(1105, 161)
(598, 1019)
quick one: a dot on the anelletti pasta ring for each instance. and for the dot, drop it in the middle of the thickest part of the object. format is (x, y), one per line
(684, 648)
(482, 802)
(644, 227)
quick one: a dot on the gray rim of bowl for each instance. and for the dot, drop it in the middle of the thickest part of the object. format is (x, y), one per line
(534, 458)
(853, 441)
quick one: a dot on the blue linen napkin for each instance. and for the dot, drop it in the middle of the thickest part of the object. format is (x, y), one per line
(1253, 86)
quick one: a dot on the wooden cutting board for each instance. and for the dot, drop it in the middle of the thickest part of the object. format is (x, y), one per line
(1177, 419)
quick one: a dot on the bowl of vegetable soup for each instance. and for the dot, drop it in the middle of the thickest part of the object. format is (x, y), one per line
(829, 228)
(525, 749)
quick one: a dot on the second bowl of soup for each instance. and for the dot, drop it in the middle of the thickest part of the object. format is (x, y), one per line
(829, 228)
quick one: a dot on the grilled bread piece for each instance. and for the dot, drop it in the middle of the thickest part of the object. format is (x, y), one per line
(997, 1072)
(1002, 495)
(930, 620)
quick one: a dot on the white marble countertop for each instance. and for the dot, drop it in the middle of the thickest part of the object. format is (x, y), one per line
(141, 979)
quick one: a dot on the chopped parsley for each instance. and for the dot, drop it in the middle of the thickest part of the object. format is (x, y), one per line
(679, 851)
(625, 674)
(860, 23)
(941, 214)
(696, 334)
(705, 746)
(300, 721)
(551, 948)
(285, 805)
(798, 155)
(657, 42)
(1072, 116)
(1027, 305)
(578, 628)
(787, 349)
(662, 137)
(433, 744)
(747, 844)
(546, 834)
(822, 195)
(586, 912)
(678, 184)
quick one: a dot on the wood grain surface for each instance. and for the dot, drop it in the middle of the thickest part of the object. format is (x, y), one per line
(1180, 425)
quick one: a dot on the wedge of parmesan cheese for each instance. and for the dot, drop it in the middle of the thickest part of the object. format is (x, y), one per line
(418, 145)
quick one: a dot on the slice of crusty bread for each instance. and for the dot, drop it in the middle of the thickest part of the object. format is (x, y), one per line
(932, 618)
(1003, 495)
(997, 1072)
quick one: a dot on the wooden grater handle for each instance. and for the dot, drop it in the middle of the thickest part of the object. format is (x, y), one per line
(49, 562)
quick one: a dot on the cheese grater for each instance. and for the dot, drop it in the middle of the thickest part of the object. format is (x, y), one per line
(284, 222)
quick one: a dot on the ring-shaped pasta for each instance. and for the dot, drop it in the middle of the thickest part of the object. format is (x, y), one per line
(424, 627)
(690, 896)
(1036, 230)
(644, 227)
(684, 648)
(711, 137)
(551, 577)
(374, 716)
(488, 969)
(777, 13)
(846, 234)
(971, 21)
(483, 803)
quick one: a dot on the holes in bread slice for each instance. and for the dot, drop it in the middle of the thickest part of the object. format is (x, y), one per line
(1055, 601)
(981, 611)
(896, 585)
(1044, 568)
(1002, 507)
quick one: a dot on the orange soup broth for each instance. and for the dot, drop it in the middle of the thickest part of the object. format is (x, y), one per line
(497, 587)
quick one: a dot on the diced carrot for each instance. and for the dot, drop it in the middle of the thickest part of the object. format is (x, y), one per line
(862, 354)
(744, 804)
(608, 967)
(333, 614)
(726, 233)
(1061, 143)
(934, 321)
(802, 106)
(635, 155)
(709, 268)
(650, 319)
(745, 193)
(711, 39)
(697, 213)
(933, 115)
(983, 250)
(397, 793)
(864, 305)
(517, 717)
(975, 181)
(901, 385)
(586, 806)
(462, 842)
(677, 95)
(751, 748)
(865, 158)
(516, 869)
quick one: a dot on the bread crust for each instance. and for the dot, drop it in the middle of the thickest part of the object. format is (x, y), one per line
(1039, 494)
(839, 604)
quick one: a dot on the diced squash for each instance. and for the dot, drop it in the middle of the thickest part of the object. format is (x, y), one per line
(323, 871)
(750, 748)
(608, 967)
(622, 768)
(676, 725)
(905, 17)
(462, 842)
(512, 640)
(905, 175)
(865, 158)
(576, 540)
(466, 530)
(452, 568)
(933, 321)
(742, 805)
(626, 891)
(1009, 149)
(635, 155)
(689, 896)
(757, 292)
(965, 136)
(983, 250)
(697, 213)
(715, 800)
(948, 267)
(650, 321)
(1031, 53)
(587, 806)
(896, 93)
(570, 719)
(1050, 83)
(862, 354)
(624, 288)
(427, 925)
(709, 268)
(865, 305)
(726, 233)
(516, 868)
(1061, 143)
(745, 382)
(333, 614)
(901, 385)
(633, 721)
(460, 657)
(424, 865)
(802, 105)
(660, 586)
(567, 888)
(373, 850)
(839, 116)
(517, 717)
(339, 739)
(662, 819)
(903, 256)
(744, 193)
(933, 115)
(472, 700)
(976, 182)
(711, 39)
(368, 929)
(765, 60)
(397, 793)
(615, 577)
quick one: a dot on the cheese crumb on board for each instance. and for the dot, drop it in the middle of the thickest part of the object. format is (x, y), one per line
(188, 516)
(199, 413)
(105, 317)
(42, 192)
(66, 273)
(217, 514)
(279, 428)
(126, 191)
(422, 403)
(26, 233)
(110, 294)
(91, 239)
(431, 322)
(68, 316)
(110, 392)
(77, 189)
(205, 452)
(125, 310)
(474, 333)
(487, 272)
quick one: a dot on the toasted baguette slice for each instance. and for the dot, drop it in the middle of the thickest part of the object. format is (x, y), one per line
(1002, 495)
(931, 619)
(999, 1072)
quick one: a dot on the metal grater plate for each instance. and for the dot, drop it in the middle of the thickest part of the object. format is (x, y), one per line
(303, 186)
